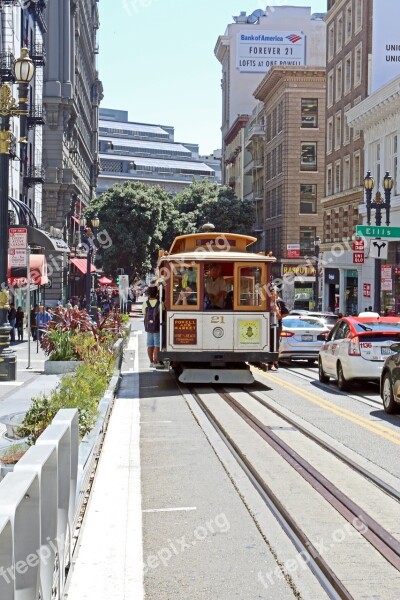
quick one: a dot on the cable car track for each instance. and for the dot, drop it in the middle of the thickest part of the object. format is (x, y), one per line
(379, 538)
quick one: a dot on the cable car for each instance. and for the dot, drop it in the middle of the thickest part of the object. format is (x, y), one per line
(208, 337)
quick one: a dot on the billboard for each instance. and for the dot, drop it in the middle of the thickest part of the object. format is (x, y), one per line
(385, 43)
(257, 51)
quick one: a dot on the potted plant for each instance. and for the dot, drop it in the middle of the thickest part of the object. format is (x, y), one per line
(10, 457)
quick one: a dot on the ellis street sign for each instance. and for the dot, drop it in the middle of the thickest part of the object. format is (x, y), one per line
(392, 233)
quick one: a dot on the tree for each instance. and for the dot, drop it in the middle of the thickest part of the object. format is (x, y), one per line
(135, 217)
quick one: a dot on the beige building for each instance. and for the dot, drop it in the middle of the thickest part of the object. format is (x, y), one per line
(279, 36)
(290, 139)
(234, 155)
(349, 43)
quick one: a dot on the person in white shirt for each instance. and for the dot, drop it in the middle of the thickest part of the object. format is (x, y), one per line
(215, 287)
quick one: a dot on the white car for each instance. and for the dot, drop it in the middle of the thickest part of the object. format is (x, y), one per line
(356, 349)
(301, 338)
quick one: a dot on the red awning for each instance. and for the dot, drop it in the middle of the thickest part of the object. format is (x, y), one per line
(38, 272)
(75, 219)
(105, 281)
(81, 265)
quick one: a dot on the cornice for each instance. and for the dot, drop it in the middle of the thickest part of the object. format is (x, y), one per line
(239, 123)
(279, 75)
(221, 47)
(378, 106)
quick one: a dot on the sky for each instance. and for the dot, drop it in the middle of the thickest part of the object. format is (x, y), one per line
(156, 61)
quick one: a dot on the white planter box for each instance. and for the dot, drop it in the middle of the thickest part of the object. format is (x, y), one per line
(59, 367)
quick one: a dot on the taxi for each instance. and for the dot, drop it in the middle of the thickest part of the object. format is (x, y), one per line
(356, 349)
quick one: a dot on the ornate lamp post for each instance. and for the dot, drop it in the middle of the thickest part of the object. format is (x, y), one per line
(23, 72)
(378, 204)
(89, 238)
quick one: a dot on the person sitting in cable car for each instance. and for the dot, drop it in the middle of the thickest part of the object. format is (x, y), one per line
(187, 296)
(215, 288)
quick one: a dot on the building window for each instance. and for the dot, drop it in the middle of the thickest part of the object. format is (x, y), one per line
(308, 198)
(329, 189)
(274, 122)
(268, 128)
(347, 74)
(339, 33)
(307, 239)
(308, 156)
(337, 176)
(338, 130)
(329, 136)
(339, 81)
(329, 94)
(357, 64)
(358, 15)
(346, 128)
(346, 172)
(331, 41)
(356, 169)
(280, 116)
(309, 113)
(349, 23)
(395, 163)
(378, 163)
(268, 169)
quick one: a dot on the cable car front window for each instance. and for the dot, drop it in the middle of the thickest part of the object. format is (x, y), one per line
(250, 287)
(185, 286)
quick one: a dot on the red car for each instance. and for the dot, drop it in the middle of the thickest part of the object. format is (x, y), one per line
(356, 348)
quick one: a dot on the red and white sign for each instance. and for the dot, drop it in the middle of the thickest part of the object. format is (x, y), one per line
(367, 290)
(17, 237)
(386, 285)
(386, 272)
(358, 245)
(293, 251)
(17, 257)
(358, 258)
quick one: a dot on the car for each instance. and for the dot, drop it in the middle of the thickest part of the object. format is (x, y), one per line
(329, 318)
(356, 349)
(301, 337)
(390, 381)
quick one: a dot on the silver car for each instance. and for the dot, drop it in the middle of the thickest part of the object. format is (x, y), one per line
(301, 337)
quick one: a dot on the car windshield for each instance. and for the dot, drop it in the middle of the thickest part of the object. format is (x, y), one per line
(303, 322)
(377, 326)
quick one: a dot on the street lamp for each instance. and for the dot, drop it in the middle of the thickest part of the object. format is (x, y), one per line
(378, 204)
(89, 238)
(317, 242)
(23, 72)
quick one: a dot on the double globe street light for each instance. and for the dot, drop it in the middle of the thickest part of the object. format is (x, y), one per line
(24, 70)
(378, 204)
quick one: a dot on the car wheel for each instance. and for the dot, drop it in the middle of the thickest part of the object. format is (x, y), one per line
(322, 377)
(389, 405)
(343, 384)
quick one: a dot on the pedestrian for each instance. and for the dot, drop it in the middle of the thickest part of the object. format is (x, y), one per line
(34, 312)
(42, 318)
(151, 312)
(279, 310)
(12, 313)
(19, 323)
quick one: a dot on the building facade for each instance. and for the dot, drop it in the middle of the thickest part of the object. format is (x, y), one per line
(348, 48)
(71, 95)
(146, 152)
(289, 152)
(280, 36)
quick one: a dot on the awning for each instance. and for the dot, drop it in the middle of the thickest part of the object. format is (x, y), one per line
(75, 219)
(81, 265)
(105, 281)
(38, 272)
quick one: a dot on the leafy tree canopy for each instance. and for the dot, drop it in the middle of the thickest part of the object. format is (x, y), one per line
(141, 219)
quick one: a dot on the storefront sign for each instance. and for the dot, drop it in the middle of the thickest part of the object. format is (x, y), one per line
(249, 331)
(358, 245)
(358, 258)
(366, 290)
(18, 237)
(332, 276)
(185, 332)
(300, 270)
(293, 251)
(257, 50)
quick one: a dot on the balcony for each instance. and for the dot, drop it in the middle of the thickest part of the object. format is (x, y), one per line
(13, 147)
(7, 60)
(254, 132)
(34, 175)
(37, 52)
(36, 9)
(35, 116)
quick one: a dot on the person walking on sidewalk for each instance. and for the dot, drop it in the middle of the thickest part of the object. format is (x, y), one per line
(12, 313)
(34, 312)
(42, 318)
(19, 323)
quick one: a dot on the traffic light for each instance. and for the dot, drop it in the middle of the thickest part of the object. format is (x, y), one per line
(117, 280)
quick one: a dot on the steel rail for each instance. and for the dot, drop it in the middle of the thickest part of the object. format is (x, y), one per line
(325, 575)
(374, 533)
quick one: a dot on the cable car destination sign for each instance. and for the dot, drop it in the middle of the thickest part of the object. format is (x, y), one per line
(257, 51)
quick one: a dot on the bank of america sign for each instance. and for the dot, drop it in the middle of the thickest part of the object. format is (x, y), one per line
(257, 51)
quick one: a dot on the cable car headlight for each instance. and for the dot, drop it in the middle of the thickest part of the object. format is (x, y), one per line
(218, 332)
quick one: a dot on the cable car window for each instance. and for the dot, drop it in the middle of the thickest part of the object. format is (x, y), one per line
(185, 285)
(250, 286)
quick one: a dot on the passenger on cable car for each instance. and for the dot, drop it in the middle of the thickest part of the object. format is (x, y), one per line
(215, 288)
(187, 296)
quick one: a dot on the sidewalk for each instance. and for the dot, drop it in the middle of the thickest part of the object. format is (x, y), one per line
(16, 396)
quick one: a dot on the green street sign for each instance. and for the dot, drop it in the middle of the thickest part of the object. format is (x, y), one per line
(373, 231)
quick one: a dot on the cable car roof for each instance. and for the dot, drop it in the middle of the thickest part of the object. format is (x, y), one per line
(215, 256)
(209, 240)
